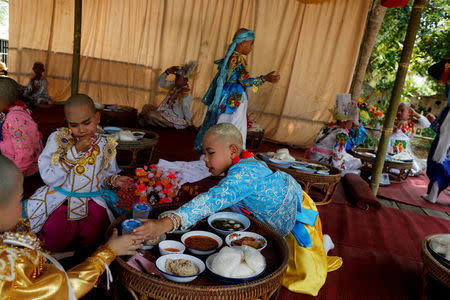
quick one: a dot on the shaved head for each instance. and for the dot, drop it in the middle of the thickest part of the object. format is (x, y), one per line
(9, 175)
(228, 134)
(79, 101)
(9, 91)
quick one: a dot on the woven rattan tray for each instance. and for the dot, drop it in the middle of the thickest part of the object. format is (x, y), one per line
(369, 161)
(148, 144)
(431, 266)
(276, 254)
(326, 183)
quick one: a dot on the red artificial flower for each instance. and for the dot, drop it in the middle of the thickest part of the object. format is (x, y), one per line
(141, 187)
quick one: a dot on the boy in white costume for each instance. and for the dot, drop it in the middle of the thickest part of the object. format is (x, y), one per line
(77, 165)
(329, 145)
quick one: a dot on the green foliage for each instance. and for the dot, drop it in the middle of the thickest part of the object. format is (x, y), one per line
(432, 45)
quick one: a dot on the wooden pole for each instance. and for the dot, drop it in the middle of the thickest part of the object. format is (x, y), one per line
(76, 47)
(373, 27)
(397, 90)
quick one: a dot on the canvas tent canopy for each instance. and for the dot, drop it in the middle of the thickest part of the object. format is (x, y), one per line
(125, 45)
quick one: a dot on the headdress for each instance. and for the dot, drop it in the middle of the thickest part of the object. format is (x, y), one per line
(187, 70)
(345, 109)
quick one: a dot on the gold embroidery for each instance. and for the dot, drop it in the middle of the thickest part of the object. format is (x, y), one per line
(64, 140)
(109, 151)
(80, 169)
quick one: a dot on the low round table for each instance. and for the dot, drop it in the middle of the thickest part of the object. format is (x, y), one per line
(368, 162)
(147, 144)
(203, 287)
(432, 267)
(125, 116)
(326, 182)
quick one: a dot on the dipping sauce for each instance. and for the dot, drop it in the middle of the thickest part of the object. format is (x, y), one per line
(227, 224)
(200, 242)
(172, 249)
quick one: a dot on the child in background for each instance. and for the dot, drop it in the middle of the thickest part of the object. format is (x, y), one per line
(36, 91)
(273, 197)
(25, 272)
(329, 145)
(227, 95)
(79, 168)
(19, 135)
(175, 109)
(403, 132)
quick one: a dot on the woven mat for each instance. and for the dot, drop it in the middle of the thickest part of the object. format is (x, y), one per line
(410, 191)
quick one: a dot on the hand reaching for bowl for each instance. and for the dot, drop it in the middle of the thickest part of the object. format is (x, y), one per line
(125, 244)
(151, 229)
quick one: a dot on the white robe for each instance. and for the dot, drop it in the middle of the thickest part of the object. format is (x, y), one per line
(54, 166)
(176, 112)
(329, 147)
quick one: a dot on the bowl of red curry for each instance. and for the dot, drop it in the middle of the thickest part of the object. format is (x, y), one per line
(201, 242)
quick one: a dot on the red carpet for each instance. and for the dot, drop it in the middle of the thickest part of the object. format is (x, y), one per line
(380, 249)
(410, 191)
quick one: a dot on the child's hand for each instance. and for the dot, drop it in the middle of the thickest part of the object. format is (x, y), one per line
(124, 182)
(151, 229)
(413, 113)
(172, 70)
(271, 77)
(125, 244)
(431, 117)
(84, 143)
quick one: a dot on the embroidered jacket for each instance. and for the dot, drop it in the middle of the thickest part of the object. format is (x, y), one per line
(61, 166)
(21, 140)
(26, 274)
(238, 80)
(271, 196)
(400, 140)
(329, 147)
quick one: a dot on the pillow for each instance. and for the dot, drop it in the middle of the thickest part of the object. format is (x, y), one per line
(358, 191)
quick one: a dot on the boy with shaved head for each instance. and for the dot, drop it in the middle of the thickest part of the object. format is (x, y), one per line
(78, 165)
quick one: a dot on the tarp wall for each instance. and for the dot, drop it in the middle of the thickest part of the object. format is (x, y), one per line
(125, 45)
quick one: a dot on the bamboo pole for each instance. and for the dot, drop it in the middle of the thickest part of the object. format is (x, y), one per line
(76, 47)
(373, 27)
(397, 90)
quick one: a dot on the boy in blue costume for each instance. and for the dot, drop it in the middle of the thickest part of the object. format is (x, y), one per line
(273, 197)
(227, 95)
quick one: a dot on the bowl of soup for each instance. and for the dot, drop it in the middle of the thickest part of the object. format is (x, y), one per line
(225, 223)
(201, 242)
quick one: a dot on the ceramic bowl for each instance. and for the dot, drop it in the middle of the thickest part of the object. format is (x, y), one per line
(202, 233)
(161, 265)
(228, 215)
(175, 246)
(112, 129)
(241, 234)
(138, 134)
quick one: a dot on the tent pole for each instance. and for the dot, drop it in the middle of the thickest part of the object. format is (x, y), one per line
(397, 90)
(76, 47)
(373, 27)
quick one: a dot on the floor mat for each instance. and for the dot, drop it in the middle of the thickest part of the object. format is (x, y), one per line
(410, 191)
(380, 249)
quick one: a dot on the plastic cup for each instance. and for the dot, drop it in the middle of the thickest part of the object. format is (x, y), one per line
(141, 210)
(129, 224)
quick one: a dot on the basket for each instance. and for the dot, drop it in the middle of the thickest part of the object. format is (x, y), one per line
(369, 161)
(326, 183)
(276, 253)
(146, 147)
(254, 139)
(433, 267)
